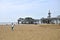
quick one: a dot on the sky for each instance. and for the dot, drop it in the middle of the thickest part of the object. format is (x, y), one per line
(11, 10)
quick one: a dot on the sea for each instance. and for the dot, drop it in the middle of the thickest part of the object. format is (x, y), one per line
(9, 23)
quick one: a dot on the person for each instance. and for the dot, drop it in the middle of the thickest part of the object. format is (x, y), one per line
(12, 26)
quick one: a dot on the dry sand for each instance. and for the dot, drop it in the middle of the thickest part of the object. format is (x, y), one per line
(30, 32)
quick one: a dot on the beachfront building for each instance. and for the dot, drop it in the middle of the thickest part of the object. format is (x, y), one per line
(55, 20)
(28, 20)
(50, 20)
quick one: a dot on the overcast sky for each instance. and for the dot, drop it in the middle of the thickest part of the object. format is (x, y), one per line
(11, 10)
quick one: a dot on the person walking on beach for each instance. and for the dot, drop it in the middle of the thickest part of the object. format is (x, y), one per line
(12, 26)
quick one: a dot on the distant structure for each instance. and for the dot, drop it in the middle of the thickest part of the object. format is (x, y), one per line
(50, 20)
(49, 14)
(28, 20)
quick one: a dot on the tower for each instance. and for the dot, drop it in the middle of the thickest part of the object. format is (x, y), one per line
(49, 14)
(49, 17)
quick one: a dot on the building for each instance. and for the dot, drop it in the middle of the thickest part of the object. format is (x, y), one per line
(28, 20)
(48, 20)
(51, 20)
